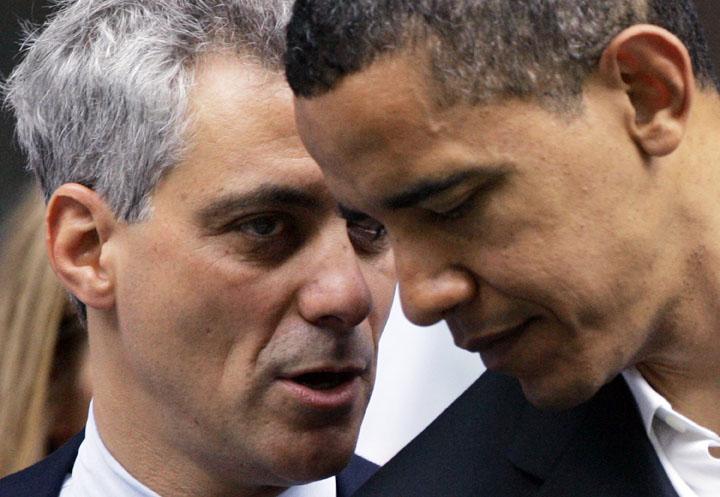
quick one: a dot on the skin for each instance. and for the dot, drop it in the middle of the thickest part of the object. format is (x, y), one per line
(243, 275)
(562, 248)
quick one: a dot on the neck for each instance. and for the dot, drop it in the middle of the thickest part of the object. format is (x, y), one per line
(684, 364)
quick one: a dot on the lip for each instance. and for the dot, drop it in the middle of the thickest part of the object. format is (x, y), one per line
(342, 396)
(494, 346)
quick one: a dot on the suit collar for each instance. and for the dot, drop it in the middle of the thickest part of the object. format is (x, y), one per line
(541, 438)
(598, 448)
(354, 475)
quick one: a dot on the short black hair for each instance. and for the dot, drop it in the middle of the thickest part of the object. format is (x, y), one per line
(479, 49)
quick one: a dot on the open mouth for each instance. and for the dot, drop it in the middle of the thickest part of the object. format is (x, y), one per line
(324, 380)
(326, 390)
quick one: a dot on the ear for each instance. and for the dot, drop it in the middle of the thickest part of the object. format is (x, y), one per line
(654, 69)
(79, 224)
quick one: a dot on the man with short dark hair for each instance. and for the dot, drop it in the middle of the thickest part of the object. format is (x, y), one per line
(548, 175)
(233, 316)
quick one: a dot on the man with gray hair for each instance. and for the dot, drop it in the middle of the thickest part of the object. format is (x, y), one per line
(547, 171)
(233, 315)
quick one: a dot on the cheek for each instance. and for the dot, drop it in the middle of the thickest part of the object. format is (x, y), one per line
(559, 241)
(583, 277)
(190, 310)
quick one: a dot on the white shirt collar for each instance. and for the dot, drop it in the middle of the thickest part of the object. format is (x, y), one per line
(680, 443)
(96, 472)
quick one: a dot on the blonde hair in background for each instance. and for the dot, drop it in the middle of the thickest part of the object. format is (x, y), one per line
(32, 305)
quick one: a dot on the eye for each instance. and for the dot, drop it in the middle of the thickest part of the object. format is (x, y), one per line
(264, 226)
(456, 209)
(367, 235)
(266, 238)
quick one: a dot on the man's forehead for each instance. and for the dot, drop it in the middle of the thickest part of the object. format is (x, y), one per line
(361, 116)
(377, 105)
(242, 146)
(231, 89)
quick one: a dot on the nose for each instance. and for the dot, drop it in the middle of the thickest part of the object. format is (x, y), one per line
(430, 287)
(336, 295)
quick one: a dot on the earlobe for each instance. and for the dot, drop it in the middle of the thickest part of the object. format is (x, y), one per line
(79, 223)
(654, 69)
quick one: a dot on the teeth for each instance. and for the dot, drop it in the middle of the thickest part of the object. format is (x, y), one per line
(323, 381)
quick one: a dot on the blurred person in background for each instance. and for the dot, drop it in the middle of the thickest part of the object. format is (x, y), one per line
(44, 380)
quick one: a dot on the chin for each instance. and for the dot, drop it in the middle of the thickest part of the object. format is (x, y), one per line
(308, 455)
(299, 468)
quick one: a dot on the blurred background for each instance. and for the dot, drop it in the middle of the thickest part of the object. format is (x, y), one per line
(12, 174)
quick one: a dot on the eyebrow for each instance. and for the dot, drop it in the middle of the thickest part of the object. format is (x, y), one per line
(263, 195)
(488, 175)
(428, 188)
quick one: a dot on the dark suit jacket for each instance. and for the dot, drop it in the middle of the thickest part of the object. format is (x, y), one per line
(492, 443)
(45, 478)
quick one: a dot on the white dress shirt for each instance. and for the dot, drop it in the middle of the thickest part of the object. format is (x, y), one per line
(96, 473)
(681, 444)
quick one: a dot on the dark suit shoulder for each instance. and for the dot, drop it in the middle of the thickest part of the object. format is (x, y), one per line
(463, 446)
(492, 443)
(45, 478)
(357, 472)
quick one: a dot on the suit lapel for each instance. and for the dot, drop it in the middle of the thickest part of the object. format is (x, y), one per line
(599, 449)
(461, 454)
(541, 437)
(354, 475)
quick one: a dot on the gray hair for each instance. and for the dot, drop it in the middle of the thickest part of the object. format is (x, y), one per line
(479, 50)
(101, 97)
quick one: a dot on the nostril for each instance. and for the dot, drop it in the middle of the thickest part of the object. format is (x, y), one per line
(335, 323)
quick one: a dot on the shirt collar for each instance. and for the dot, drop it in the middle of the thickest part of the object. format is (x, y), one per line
(650, 404)
(97, 472)
(681, 444)
(322, 488)
(647, 399)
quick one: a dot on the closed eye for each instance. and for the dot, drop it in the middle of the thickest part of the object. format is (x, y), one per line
(457, 209)
(462, 205)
